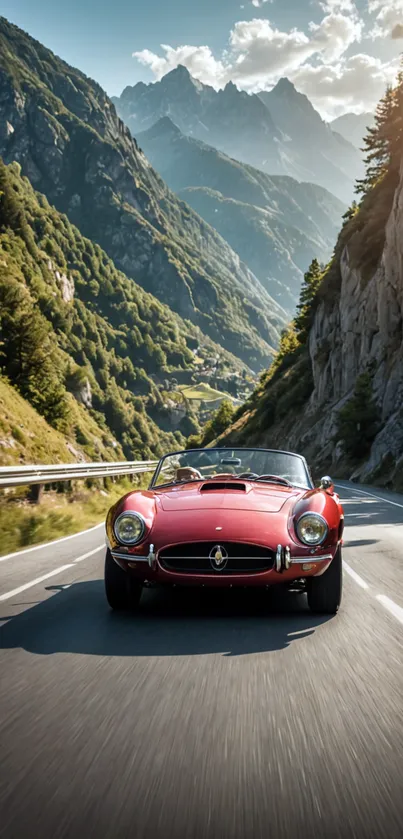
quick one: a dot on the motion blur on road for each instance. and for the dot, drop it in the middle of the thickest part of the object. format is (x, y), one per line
(210, 714)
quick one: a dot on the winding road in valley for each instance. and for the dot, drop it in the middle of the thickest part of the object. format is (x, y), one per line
(210, 714)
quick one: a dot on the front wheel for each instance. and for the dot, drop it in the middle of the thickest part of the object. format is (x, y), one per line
(122, 593)
(324, 592)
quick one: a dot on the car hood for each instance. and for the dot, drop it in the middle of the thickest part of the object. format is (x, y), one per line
(252, 497)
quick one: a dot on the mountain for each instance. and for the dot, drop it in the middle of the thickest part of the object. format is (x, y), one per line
(228, 119)
(335, 390)
(275, 224)
(261, 130)
(313, 151)
(353, 127)
(65, 133)
(85, 346)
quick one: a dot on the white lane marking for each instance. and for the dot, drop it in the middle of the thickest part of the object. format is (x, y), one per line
(370, 495)
(34, 582)
(90, 553)
(391, 606)
(355, 576)
(46, 576)
(359, 515)
(49, 544)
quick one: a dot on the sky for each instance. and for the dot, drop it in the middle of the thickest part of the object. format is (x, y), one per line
(340, 53)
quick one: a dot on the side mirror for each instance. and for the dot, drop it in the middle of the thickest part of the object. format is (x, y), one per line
(326, 483)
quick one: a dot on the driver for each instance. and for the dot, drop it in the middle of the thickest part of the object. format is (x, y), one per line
(187, 473)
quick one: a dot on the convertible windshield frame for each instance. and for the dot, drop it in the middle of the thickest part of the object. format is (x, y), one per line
(153, 483)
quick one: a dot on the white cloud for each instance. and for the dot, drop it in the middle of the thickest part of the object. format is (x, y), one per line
(353, 85)
(330, 6)
(259, 53)
(388, 14)
(258, 3)
(335, 34)
(199, 61)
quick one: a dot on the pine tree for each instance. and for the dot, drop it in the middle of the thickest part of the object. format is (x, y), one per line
(310, 285)
(358, 420)
(379, 142)
(219, 422)
(350, 213)
(397, 127)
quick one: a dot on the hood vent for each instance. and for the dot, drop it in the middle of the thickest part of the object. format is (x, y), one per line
(223, 485)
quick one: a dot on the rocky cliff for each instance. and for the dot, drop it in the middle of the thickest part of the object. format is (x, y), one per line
(356, 331)
(362, 329)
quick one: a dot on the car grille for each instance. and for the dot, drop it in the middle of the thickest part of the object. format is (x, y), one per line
(194, 558)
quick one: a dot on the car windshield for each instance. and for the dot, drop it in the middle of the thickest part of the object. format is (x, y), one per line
(254, 464)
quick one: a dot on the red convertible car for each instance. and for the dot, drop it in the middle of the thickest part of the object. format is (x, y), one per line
(222, 517)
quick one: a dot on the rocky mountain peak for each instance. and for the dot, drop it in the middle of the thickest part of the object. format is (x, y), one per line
(284, 88)
(164, 127)
(180, 77)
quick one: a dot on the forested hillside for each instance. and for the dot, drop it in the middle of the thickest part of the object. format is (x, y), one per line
(72, 325)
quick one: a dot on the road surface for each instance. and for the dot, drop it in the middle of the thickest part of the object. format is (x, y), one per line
(212, 715)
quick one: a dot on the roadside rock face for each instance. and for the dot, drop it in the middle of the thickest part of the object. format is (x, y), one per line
(364, 325)
(357, 327)
(360, 326)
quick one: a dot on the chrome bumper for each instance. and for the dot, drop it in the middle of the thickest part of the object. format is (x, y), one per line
(150, 558)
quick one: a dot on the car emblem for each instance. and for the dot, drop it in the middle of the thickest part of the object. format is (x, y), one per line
(218, 558)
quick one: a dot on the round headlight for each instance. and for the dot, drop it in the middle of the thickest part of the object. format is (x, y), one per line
(129, 528)
(312, 529)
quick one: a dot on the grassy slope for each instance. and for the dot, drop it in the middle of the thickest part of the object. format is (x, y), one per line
(25, 436)
(59, 514)
(202, 391)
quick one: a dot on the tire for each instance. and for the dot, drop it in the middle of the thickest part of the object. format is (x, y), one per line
(122, 593)
(325, 592)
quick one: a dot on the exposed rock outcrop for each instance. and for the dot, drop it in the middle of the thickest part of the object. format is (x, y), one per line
(357, 327)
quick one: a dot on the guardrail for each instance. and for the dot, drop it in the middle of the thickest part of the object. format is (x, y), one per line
(15, 476)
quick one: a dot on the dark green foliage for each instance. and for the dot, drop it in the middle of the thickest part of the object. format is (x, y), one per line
(383, 140)
(310, 286)
(358, 421)
(350, 213)
(219, 423)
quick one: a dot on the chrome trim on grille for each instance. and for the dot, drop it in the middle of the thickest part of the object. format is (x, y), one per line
(296, 560)
(206, 557)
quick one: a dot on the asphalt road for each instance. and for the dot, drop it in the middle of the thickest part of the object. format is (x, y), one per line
(209, 714)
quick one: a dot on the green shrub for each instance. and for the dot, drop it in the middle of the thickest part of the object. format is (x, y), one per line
(358, 421)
